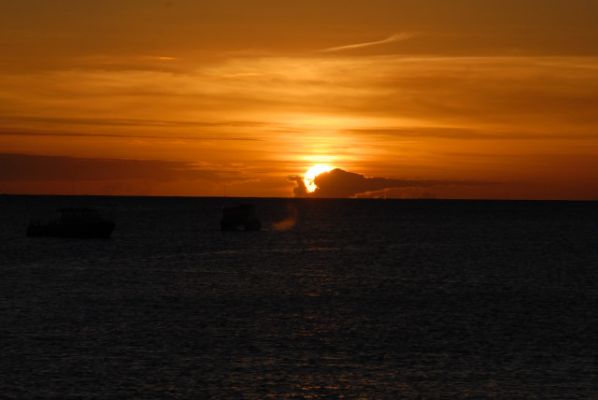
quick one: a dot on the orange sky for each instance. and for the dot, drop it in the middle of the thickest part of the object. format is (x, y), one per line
(487, 99)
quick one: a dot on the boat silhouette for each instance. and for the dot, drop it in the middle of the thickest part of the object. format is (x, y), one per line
(83, 223)
(240, 218)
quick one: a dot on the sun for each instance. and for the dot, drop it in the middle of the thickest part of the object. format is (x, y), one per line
(310, 176)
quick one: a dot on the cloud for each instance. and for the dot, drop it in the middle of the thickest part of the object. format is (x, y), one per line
(466, 134)
(6, 119)
(397, 37)
(34, 168)
(300, 188)
(43, 133)
(339, 183)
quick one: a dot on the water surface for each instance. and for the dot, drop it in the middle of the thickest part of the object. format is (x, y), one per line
(355, 299)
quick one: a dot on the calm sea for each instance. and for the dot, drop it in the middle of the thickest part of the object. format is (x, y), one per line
(333, 299)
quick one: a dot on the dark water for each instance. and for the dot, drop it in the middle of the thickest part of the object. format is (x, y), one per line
(359, 299)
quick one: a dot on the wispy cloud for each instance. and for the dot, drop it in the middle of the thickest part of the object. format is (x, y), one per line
(164, 137)
(397, 37)
(468, 134)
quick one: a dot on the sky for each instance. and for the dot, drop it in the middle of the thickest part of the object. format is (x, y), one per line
(401, 98)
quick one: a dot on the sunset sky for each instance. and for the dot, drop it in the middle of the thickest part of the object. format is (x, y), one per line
(447, 99)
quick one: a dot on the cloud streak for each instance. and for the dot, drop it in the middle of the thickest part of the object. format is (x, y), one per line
(35, 168)
(34, 133)
(467, 134)
(4, 119)
(397, 37)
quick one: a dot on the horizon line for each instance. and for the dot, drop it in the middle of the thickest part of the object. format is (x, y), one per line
(295, 198)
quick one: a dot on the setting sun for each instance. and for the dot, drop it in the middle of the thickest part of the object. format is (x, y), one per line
(311, 174)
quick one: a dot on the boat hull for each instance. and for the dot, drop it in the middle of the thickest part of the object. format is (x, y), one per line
(240, 218)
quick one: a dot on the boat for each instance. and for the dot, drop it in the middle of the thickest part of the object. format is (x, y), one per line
(240, 218)
(83, 223)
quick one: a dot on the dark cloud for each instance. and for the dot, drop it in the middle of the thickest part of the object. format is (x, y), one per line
(339, 183)
(34, 168)
(300, 189)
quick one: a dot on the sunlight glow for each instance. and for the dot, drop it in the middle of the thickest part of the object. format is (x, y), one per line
(310, 176)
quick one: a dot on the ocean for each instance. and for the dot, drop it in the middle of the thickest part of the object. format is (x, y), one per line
(333, 299)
